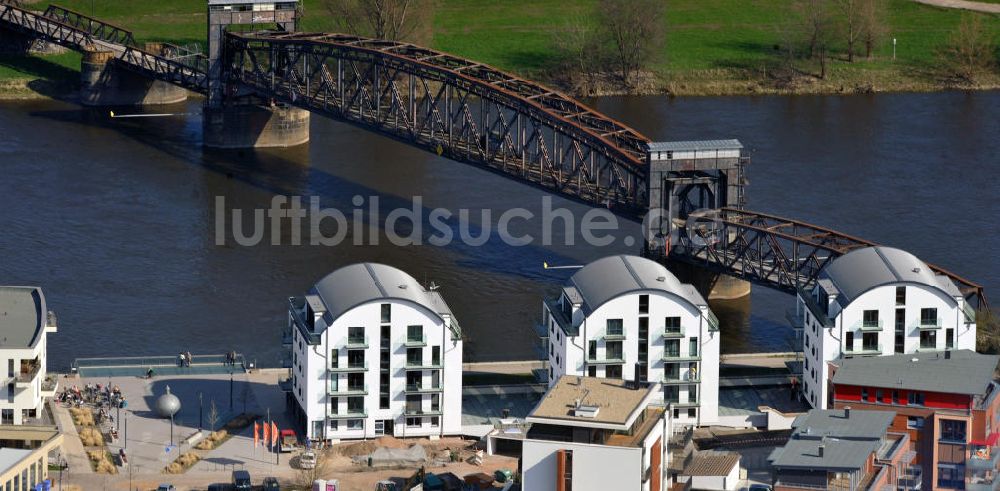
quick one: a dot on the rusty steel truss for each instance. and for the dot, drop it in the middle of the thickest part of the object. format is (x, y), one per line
(97, 29)
(458, 108)
(777, 252)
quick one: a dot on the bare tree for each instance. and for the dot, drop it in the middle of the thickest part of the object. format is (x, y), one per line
(580, 52)
(635, 30)
(396, 20)
(970, 47)
(850, 16)
(873, 26)
(816, 20)
(322, 470)
(213, 415)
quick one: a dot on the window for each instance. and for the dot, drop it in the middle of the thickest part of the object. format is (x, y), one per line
(613, 371)
(435, 355)
(412, 422)
(672, 348)
(953, 430)
(356, 405)
(355, 381)
(915, 399)
(592, 371)
(414, 380)
(435, 422)
(928, 317)
(592, 350)
(671, 394)
(951, 476)
(672, 325)
(914, 422)
(356, 358)
(928, 339)
(848, 341)
(869, 341)
(613, 350)
(552, 350)
(356, 334)
(643, 304)
(864, 394)
(692, 412)
(616, 327)
(415, 334)
(870, 318)
(900, 295)
(383, 402)
(414, 357)
(386, 313)
(355, 424)
(693, 393)
(693, 347)
(949, 338)
(878, 396)
(380, 427)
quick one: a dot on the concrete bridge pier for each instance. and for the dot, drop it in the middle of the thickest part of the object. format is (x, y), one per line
(254, 126)
(713, 286)
(104, 84)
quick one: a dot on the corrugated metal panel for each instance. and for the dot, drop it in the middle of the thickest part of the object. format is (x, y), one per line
(695, 145)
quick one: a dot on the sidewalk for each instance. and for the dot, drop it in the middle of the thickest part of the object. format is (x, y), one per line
(72, 449)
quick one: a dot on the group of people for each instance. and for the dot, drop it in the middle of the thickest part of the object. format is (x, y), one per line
(102, 396)
(231, 358)
(184, 358)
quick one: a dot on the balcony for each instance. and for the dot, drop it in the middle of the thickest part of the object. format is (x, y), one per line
(337, 390)
(983, 458)
(415, 340)
(29, 371)
(673, 332)
(864, 350)
(868, 326)
(421, 412)
(350, 367)
(982, 484)
(422, 389)
(355, 342)
(683, 404)
(909, 478)
(618, 335)
(614, 359)
(681, 379)
(50, 322)
(350, 414)
(675, 357)
(929, 324)
(421, 365)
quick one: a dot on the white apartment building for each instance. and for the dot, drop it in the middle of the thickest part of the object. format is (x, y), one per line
(627, 317)
(597, 434)
(375, 353)
(877, 301)
(24, 324)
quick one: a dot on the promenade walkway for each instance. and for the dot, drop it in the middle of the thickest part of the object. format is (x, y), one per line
(989, 8)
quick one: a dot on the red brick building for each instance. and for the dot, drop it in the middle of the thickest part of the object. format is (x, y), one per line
(946, 402)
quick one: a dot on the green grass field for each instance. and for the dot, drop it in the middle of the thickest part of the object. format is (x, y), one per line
(705, 38)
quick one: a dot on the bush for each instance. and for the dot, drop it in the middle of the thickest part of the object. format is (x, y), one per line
(91, 437)
(101, 463)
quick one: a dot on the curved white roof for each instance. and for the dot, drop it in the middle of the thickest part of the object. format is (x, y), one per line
(357, 284)
(863, 269)
(610, 277)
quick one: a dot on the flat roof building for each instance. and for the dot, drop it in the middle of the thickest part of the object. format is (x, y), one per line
(25, 322)
(584, 427)
(24, 455)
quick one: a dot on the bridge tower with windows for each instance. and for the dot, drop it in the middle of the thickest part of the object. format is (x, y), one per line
(233, 118)
(687, 181)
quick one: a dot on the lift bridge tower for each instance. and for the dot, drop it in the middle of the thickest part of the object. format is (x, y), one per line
(688, 179)
(236, 120)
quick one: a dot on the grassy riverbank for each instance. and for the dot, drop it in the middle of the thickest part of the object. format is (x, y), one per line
(712, 46)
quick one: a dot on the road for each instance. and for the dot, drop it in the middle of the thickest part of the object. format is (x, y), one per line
(990, 8)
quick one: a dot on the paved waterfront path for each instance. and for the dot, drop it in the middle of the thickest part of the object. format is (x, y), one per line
(72, 448)
(990, 8)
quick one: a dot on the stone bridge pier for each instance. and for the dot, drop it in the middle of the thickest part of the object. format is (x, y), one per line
(254, 126)
(103, 83)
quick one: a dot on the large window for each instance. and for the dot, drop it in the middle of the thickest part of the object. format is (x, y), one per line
(915, 398)
(928, 317)
(951, 476)
(415, 334)
(386, 312)
(414, 357)
(900, 295)
(869, 341)
(613, 371)
(672, 348)
(643, 304)
(616, 327)
(693, 347)
(953, 430)
(592, 350)
(928, 339)
(672, 325)
(356, 334)
(949, 338)
(870, 318)
(614, 350)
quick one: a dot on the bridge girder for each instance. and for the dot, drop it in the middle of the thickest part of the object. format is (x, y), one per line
(460, 109)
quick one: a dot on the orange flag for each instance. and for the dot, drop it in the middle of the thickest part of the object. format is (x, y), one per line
(267, 435)
(274, 434)
(256, 433)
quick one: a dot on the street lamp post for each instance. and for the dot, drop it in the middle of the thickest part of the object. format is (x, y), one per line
(230, 392)
(201, 423)
(125, 435)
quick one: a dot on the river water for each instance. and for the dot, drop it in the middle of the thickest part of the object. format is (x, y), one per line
(115, 218)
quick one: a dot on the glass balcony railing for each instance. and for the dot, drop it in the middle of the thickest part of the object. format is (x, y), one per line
(614, 335)
(925, 324)
(355, 413)
(415, 340)
(875, 325)
(347, 390)
(864, 349)
(422, 364)
(421, 388)
(350, 367)
(355, 342)
(675, 356)
(609, 359)
(687, 377)
(673, 332)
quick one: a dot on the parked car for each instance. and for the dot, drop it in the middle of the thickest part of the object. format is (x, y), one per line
(271, 484)
(241, 481)
(307, 460)
(759, 487)
(166, 487)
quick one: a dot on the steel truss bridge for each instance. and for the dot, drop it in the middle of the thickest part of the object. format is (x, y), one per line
(469, 112)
